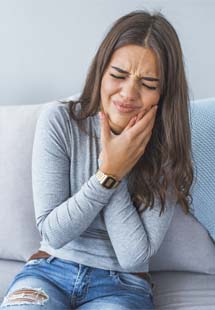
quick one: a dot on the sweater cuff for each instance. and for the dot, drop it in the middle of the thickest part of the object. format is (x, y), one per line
(101, 190)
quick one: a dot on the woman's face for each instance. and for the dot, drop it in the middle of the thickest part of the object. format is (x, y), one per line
(130, 84)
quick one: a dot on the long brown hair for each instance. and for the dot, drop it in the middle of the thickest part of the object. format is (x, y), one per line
(167, 160)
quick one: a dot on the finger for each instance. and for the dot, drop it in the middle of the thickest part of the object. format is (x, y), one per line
(105, 128)
(143, 123)
(130, 123)
(142, 139)
(147, 139)
(140, 115)
(135, 119)
(143, 144)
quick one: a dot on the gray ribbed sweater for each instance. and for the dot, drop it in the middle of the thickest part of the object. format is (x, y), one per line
(77, 218)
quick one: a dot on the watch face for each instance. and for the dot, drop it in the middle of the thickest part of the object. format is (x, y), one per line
(109, 182)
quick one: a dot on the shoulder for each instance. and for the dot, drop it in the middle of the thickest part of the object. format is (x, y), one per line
(55, 117)
(53, 128)
(54, 111)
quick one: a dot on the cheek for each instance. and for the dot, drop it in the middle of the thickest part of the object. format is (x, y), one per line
(156, 98)
(108, 88)
(150, 98)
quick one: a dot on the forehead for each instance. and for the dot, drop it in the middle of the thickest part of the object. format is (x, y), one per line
(136, 60)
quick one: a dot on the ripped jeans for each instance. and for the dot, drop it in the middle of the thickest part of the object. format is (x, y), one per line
(58, 284)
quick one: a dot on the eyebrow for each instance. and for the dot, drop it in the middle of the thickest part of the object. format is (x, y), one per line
(147, 78)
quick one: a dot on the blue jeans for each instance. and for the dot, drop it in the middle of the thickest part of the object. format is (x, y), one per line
(58, 284)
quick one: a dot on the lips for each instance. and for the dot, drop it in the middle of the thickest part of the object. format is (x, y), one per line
(126, 108)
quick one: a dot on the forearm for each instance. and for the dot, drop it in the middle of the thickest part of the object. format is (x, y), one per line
(126, 229)
(71, 218)
(135, 237)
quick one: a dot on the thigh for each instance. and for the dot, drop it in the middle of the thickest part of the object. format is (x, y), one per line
(123, 302)
(117, 291)
(32, 293)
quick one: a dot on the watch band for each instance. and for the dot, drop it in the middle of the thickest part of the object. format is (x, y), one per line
(107, 180)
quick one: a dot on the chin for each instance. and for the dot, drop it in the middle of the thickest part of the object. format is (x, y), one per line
(116, 127)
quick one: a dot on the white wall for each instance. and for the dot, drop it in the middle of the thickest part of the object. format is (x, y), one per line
(47, 45)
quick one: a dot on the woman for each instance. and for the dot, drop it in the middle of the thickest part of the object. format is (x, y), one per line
(105, 189)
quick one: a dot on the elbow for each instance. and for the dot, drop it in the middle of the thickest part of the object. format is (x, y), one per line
(126, 265)
(51, 240)
(130, 263)
(54, 243)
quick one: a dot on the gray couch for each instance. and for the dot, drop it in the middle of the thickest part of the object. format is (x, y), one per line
(183, 270)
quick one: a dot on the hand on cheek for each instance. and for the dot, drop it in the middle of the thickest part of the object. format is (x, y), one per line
(134, 120)
(137, 118)
(121, 152)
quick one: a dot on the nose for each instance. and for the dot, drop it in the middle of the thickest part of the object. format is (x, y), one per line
(129, 90)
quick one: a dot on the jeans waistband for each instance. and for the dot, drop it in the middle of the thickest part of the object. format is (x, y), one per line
(143, 275)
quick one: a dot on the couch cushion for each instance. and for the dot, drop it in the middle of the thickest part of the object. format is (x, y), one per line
(8, 270)
(19, 237)
(203, 144)
(187, 246)
(183, 290)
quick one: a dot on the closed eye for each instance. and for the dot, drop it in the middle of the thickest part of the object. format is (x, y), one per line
(117, 76)
(122, 78)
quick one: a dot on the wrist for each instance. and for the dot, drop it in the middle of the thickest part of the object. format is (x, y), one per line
(107, 170)
(107, 180)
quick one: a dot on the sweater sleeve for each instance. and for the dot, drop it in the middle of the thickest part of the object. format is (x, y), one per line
(135, 238)
(59, 217)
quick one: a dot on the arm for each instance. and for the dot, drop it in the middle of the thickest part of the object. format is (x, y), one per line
(135, 238)
(59, 217)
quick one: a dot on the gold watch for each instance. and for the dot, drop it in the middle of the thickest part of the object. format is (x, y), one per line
(106, 180)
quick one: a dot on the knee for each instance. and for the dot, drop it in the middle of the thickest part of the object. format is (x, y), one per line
(30, 296)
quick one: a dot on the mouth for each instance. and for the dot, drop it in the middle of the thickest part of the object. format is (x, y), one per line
(125, 108)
